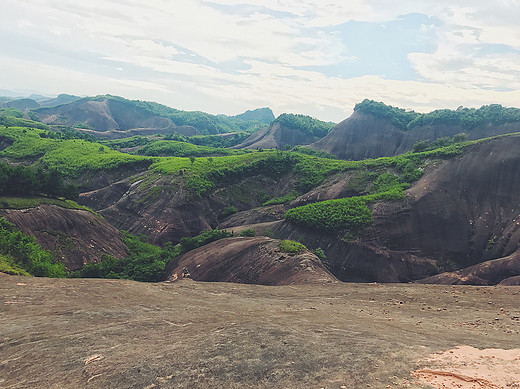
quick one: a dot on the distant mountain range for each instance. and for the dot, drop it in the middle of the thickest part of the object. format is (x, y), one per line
(118, 117)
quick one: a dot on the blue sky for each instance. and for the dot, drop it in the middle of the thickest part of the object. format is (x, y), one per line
(226, 56)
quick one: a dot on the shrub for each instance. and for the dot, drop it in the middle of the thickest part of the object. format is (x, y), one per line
(332, 215)
(320, 254)
(249, 232)
(292, 247)
(228, 211)
(206, 237)
(26, 254)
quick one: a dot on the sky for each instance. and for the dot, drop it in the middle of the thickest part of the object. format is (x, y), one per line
(317, 58)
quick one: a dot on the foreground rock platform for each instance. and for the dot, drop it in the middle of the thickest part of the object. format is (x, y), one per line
(79, 333)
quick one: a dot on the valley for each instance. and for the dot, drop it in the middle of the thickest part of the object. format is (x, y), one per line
(271, 252)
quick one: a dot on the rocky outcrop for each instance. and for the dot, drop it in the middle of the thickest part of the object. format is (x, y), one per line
(76, 237)
(257, 260)
(277, 136)
(463, 211)
(505, 271)
(363, 136)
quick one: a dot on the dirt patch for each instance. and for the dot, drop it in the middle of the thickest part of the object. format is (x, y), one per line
(466, 367)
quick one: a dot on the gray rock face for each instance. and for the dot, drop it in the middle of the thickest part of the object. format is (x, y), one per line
(462, 212)
(363, 136)
(257, 260)
(76, 237)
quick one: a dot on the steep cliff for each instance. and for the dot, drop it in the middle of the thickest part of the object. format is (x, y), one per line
(365, 135)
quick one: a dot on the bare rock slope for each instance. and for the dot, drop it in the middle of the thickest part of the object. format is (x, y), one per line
(257, 260)
(462, 212)
(276, 136)
(364, 135)
(76, 237)
(85, 333)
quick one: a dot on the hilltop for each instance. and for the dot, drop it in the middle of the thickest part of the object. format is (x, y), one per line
(378, 130)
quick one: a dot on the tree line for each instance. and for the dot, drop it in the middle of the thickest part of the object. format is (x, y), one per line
(29, 181)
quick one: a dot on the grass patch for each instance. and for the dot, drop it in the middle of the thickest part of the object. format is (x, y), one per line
(8, 266)
(33, 202)
(282, 200)
(26, 254)
(69, 156)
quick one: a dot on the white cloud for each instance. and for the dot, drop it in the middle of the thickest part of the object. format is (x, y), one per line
(243, 55)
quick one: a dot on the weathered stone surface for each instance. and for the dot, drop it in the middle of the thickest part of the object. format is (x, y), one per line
(256, 260)
(76, 237)
(364, 136)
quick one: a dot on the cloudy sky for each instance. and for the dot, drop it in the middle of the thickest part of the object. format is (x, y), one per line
(225, 56)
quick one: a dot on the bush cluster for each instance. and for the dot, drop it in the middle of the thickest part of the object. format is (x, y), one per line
(145, 262)
(305, 124)
(28, 181)
(292, 247)
(23, 251)
(349, 213)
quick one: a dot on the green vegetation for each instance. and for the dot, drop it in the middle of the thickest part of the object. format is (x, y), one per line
(465, 118)
(11, 117)
(228, 211)
(145, 262)
(282, 200)
(125, 143)
(171, 148)
(292, 247)
(332, 215)
(217, 141)
(203, 239)
(320, 254)
(397, 116)
(70, 157)
(32, 202)
(21, 253)
(28, 181)
(426, 145)
(13, 112)
(8, 266)
(305, 124)
(248, 232)
(205, 173)
(314, 153)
